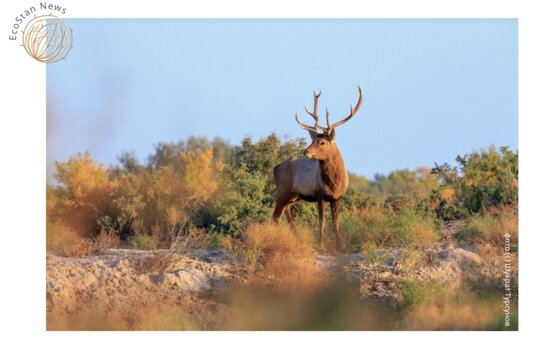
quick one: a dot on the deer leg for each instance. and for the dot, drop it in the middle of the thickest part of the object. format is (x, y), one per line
(320, 205)
(280, 208)
(335, 205)
(284, 206)
(289, 216)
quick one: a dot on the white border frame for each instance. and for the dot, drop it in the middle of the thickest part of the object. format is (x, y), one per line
(23, 137)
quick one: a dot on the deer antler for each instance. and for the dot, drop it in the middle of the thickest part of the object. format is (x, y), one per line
(315, 128)
(343, 121)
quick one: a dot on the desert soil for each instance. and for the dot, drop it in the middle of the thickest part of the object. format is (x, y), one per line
(120, 276)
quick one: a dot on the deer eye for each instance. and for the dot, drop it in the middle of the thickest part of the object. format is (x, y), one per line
(323, 143)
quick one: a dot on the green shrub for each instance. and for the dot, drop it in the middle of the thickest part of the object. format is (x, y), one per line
(380, 227)
(143, 242)
(245, 202)
(354, 198)
(416, 293)
(414, 228)
(484, 179)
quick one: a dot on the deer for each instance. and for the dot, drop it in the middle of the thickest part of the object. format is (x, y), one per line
(318, 176)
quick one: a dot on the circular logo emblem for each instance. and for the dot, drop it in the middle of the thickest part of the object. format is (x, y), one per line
(47, 39)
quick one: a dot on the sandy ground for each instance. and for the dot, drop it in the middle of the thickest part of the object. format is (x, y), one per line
(121, 276)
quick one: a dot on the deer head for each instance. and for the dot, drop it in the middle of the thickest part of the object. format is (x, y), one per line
(323, 144)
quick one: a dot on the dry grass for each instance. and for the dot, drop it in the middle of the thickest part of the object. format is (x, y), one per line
(410, 261)
(244, 307)
(279, 254)
(462, 311)
(256, 307)
(64, 241)
(104, 241)
(192, 238)
(421, 232)
(380, 227)
(132, 313)
(490, 227)
(158, 264)
(226, 242)
(507, 219)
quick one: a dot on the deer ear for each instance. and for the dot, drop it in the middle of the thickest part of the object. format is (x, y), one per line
(313, 135)
(332, 135)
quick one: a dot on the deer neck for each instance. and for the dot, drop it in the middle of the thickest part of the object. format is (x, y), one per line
(334, 175)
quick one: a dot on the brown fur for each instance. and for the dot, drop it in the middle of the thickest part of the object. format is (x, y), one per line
(320, 178)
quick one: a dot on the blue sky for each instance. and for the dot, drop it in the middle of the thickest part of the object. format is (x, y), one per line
(433, 88)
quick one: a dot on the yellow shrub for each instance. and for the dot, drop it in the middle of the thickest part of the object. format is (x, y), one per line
(63, 240)
(280, 254)
(422, 233)
(200, 175)
(447, 194)
(83, 195)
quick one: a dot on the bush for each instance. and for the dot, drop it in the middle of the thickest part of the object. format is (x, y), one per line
(82, 196)
(223, 189)
(143, 242)
(280, 254)
(354, 199)
(192, 238)
(246, 202)
(416, 293)
(380, 227)
(104, 241)
(484, 180)
(489, 227)
(413, 228)
(65, 241)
